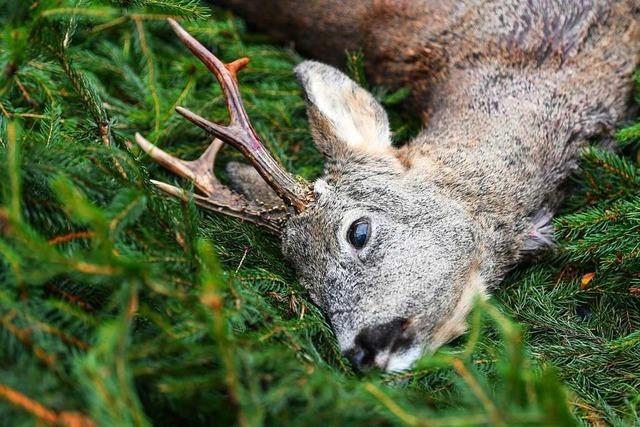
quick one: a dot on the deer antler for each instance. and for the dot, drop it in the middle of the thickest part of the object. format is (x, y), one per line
(240, 134)
(217, 197)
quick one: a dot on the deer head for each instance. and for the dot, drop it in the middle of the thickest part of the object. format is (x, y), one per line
(391, 260)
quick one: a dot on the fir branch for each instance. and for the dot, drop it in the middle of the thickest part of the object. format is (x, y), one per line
(190, 9)
(146, 51)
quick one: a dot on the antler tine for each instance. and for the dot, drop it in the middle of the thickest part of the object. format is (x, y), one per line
(239, 133)
(199, 171)
(225, 73)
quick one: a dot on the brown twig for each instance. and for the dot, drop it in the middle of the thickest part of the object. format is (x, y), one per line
(24, 92)
(42, 413)
(71, 236)
(24, 336)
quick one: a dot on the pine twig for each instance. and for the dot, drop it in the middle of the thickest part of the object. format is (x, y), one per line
(71, 236)
(42, 413)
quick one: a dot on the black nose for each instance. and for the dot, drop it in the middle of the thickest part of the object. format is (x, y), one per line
(374, 339)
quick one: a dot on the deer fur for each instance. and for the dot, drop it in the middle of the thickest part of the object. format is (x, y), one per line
(509, 92)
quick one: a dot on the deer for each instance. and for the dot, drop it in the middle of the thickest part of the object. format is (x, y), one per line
(395, 243)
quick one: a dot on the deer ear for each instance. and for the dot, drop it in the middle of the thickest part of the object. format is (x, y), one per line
(248, 182)
(342, 114)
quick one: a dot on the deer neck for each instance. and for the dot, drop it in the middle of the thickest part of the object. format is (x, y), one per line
(501, 144)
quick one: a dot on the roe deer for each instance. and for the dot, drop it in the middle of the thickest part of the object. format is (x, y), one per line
(394, 243)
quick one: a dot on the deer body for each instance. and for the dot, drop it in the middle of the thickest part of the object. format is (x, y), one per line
(394, 243)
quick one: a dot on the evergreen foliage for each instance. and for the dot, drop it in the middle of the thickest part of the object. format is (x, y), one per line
(120, 306)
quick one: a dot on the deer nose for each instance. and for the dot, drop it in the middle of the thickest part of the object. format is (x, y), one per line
(375, 339)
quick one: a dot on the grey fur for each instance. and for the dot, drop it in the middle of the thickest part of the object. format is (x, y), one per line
(247, 181)
(510, 91)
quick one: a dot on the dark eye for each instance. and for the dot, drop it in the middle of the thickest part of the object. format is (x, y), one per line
(358, 233)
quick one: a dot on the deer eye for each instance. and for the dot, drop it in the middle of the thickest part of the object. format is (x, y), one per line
(358, 233)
